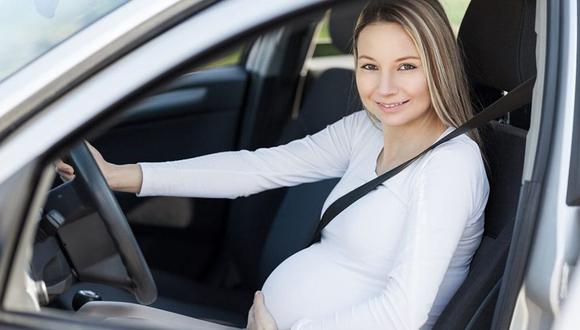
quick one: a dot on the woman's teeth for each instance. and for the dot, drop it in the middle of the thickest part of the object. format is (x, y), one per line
(392, 105)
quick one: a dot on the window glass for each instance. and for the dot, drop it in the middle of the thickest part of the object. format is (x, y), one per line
(30, 28)
(455, 10)
(324, 46)
(233, 57)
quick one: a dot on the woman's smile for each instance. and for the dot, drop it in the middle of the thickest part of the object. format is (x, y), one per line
(391, 107)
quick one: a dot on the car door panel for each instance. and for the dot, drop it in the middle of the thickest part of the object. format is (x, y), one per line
(197, 114)
(208, 91)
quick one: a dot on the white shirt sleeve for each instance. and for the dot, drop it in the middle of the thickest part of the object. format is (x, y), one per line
(449, 191)
(233, 174)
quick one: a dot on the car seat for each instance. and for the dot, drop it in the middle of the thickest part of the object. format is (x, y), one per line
(498, 57)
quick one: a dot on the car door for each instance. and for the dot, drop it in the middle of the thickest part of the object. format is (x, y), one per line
(196, 114)
(231, 102)
(540, 269)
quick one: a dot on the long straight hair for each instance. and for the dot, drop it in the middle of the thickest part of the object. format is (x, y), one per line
(427, 25)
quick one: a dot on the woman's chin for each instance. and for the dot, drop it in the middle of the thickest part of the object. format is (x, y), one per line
(392, 120)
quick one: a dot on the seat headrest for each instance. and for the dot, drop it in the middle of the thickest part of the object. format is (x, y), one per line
(341, 25)
(499, 42)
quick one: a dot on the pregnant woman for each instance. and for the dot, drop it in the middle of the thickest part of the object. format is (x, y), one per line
(394, 258)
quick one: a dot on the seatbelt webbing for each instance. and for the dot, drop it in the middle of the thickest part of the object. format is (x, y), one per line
(517, 98)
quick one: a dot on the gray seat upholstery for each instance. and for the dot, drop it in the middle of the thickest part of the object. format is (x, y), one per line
(472, 306)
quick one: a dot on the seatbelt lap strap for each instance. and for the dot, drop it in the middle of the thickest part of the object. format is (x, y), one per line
(517, 98)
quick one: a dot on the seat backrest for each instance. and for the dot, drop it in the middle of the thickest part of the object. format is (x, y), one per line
(295, 223)
(498, 57)
(472, 306)
(329, 95)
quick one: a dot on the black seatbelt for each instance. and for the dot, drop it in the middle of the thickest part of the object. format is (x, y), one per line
(517, 98)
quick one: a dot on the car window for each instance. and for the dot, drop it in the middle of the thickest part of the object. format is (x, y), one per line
(232, 57)
(455, 10)
(29, 29)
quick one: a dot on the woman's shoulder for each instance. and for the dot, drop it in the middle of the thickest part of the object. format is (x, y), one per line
(360, 124)
(460, 147)
(456, 158)
(354, 126)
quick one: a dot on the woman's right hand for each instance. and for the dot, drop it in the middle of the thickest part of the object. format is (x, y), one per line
(127, 178)
(67, 172)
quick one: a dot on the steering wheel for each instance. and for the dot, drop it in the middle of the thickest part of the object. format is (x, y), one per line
(93, 186)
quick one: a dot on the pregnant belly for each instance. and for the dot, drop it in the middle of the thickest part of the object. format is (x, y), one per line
(315, 283)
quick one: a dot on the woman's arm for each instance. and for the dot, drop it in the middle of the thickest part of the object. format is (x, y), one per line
(449, 191)
(233, 174)
(236, 173)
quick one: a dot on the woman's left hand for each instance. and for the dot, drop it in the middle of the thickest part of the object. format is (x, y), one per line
(259, 318)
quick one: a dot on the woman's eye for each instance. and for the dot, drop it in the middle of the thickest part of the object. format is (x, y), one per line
(369, 67)
(406, 67)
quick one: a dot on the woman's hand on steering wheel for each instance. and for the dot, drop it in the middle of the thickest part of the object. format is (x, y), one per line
(125, 178)
(67, 172)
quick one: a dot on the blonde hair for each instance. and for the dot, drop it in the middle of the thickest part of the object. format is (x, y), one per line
(427, 25)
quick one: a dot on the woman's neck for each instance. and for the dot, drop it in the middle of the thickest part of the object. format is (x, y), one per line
(401, 143)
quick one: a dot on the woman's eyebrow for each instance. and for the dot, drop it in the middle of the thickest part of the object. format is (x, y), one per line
(407, 58)
(410, 57)
(365, 56)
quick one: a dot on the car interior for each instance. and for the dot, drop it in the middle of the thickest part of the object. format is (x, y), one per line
(208, 256)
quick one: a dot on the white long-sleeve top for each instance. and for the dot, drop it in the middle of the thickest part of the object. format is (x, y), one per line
(391, 260)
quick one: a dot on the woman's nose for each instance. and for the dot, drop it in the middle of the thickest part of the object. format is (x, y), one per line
(387, 85)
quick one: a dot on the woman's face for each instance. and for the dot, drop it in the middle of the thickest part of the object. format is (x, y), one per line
(390, 77)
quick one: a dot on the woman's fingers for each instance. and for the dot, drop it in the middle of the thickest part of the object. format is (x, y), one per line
(262, 317)
(251, 322)
(66, 178)
(259, 299)
(64, 170)
(67, 172)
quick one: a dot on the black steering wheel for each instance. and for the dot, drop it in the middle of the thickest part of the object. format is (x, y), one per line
(93, 186)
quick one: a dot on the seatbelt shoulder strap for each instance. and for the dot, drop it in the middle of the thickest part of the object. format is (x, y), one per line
(517, 98)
